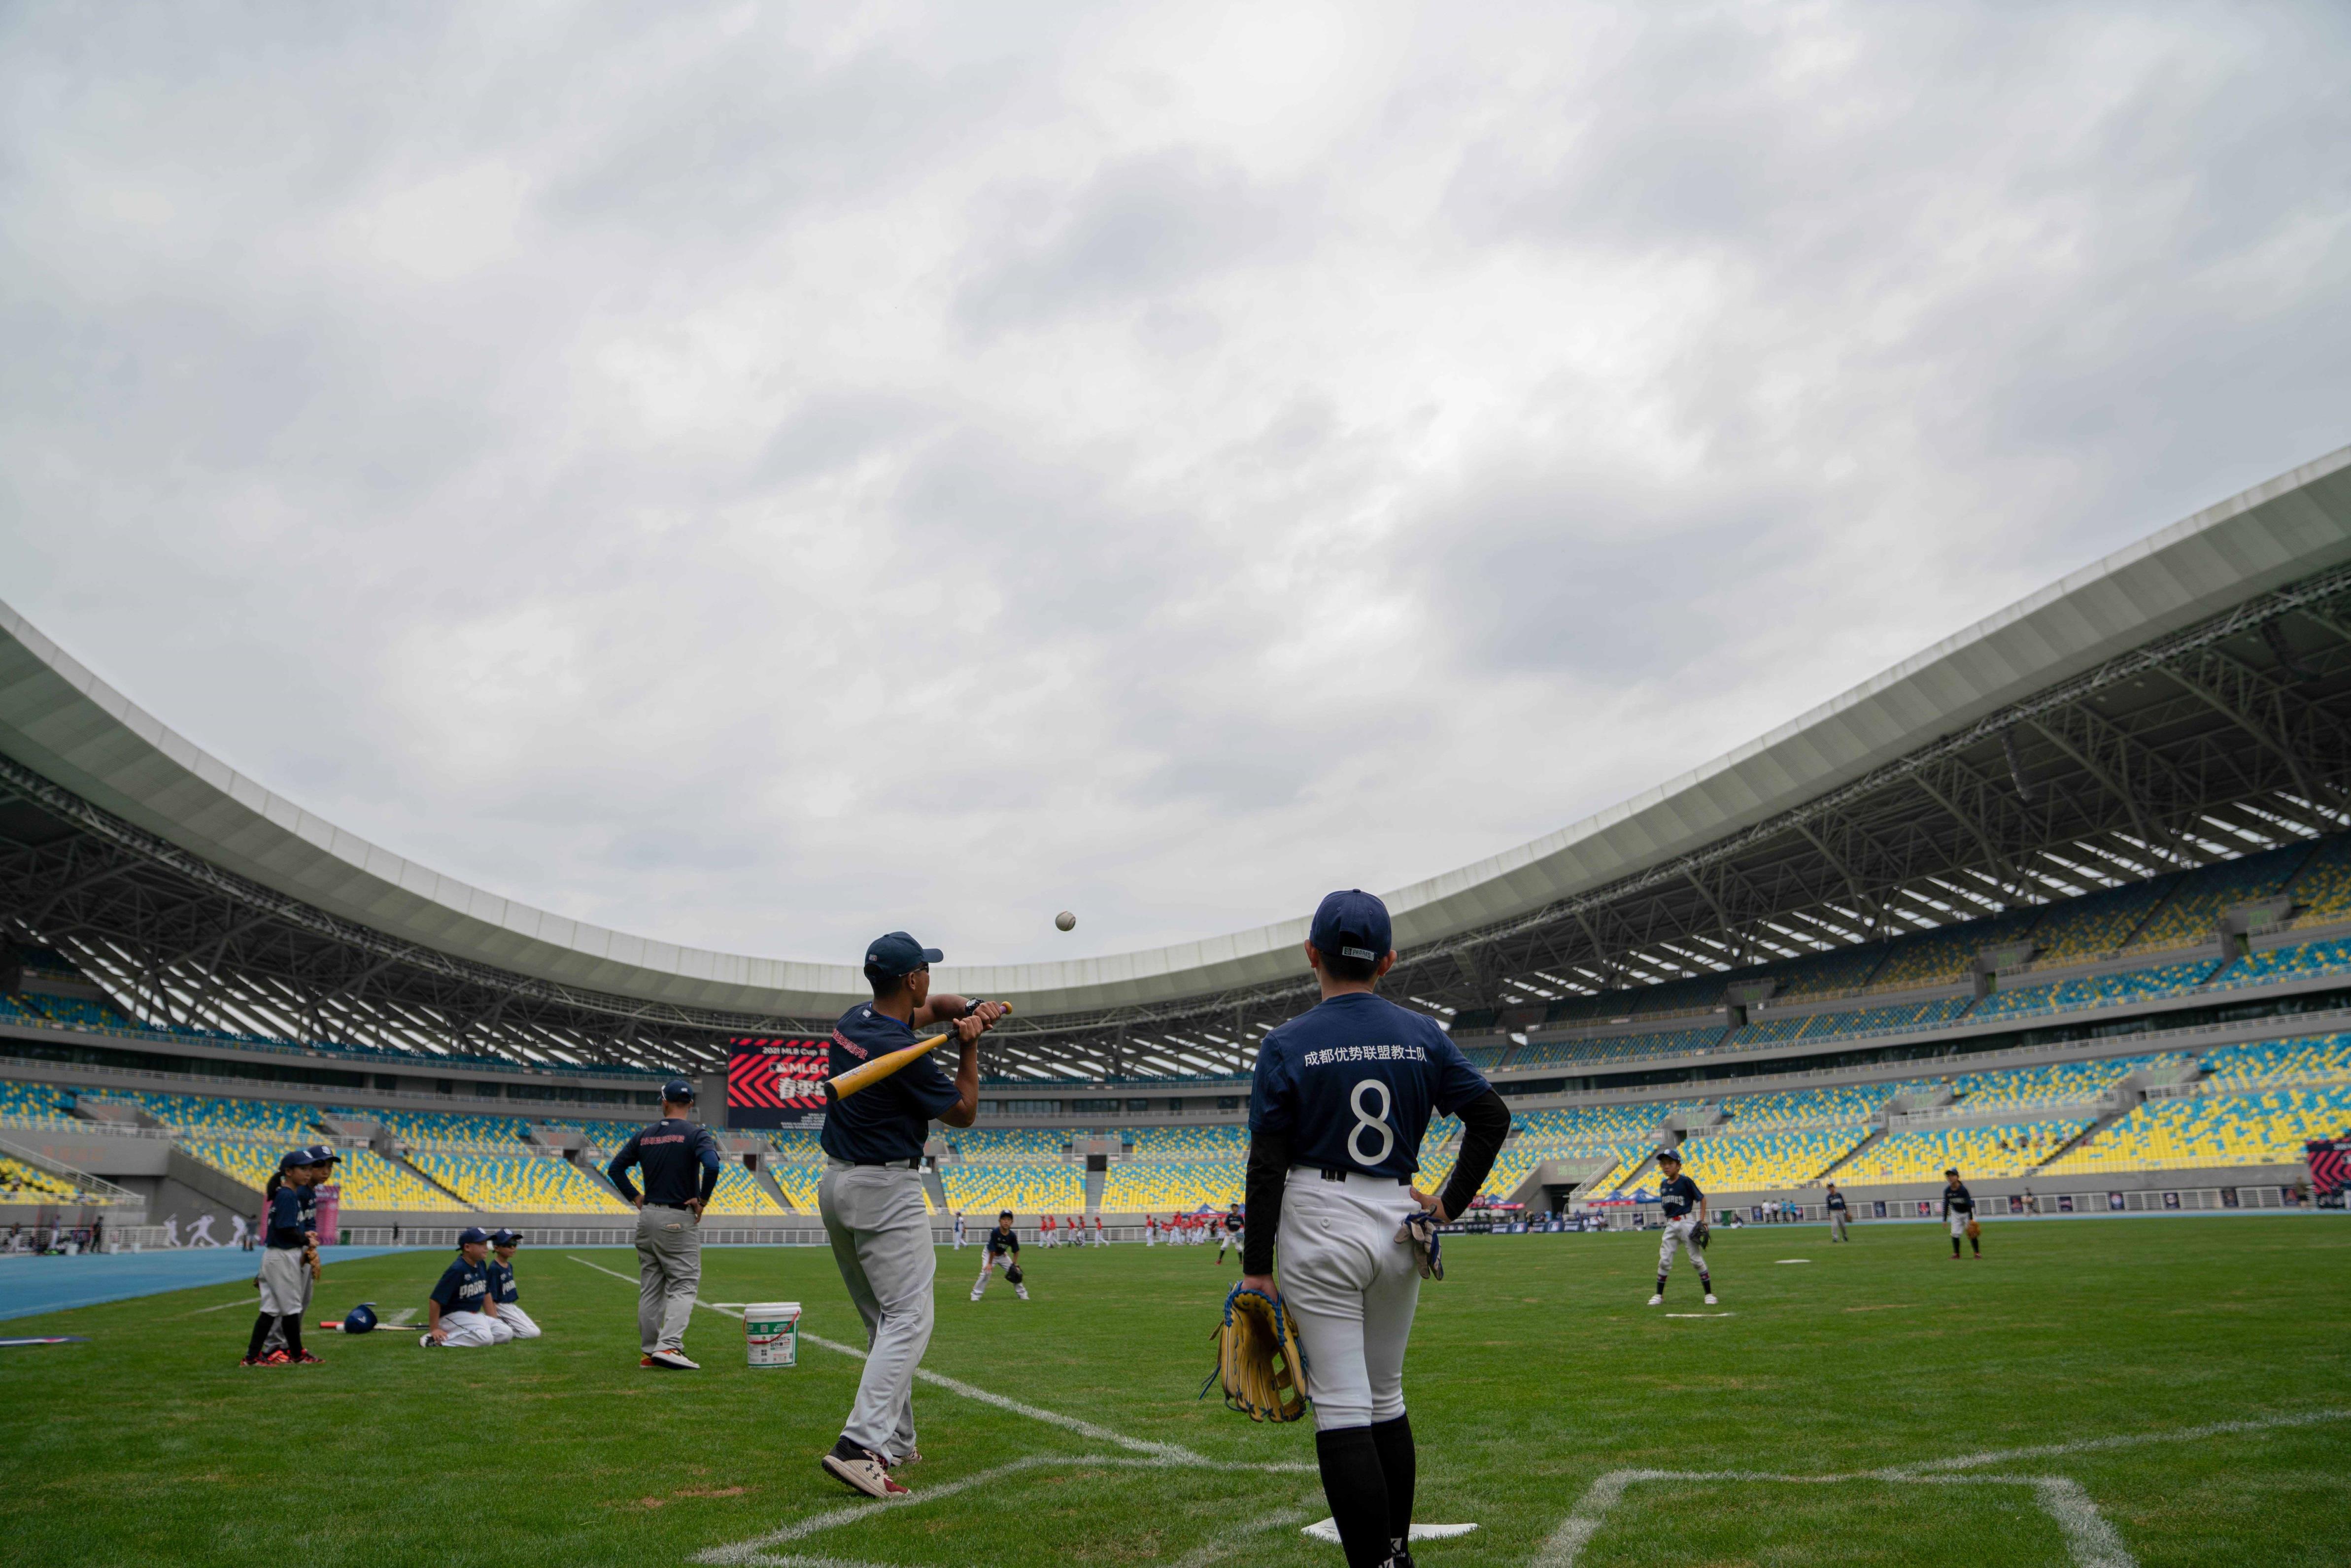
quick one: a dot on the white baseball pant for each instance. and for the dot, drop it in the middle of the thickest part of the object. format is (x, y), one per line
(515, 1321)
(467, 1331)
(1351, 1287)
(1677, 1235)
(1958, 1223)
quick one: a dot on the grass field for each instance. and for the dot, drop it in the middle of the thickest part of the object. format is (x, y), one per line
(1535, 1371)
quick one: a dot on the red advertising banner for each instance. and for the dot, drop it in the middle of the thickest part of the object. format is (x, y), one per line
(775, 1083)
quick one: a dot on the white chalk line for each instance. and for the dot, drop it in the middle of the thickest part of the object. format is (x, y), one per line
(757, 1549)
(2128, 1440)
(2090, 1540)
(1171, 1452)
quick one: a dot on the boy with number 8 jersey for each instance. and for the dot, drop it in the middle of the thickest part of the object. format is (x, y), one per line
(1341, 1097)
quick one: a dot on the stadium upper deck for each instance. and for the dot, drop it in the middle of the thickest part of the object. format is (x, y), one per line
(2182, 702)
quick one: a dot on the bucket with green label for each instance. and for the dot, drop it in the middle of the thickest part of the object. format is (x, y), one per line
(771, 1333)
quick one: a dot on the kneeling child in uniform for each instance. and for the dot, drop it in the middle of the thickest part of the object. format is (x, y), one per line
(505, 1297)
(457, 1300)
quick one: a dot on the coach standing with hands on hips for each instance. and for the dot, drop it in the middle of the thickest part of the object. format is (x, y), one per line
(680, 1161)
(870, 1195)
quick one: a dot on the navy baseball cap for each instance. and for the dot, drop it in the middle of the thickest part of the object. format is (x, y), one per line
(678, 1092)
(471, 1234)
(1353, 924)
(318, 1155)
(887, 958)
(505, 1238)
(1665, 1155)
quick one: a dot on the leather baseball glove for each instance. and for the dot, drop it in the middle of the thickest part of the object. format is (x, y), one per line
(1257, 1358)
(1012, 1273)
(1975, 1231)
(1701, 1233)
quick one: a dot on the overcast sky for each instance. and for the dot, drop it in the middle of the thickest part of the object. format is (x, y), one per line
(757, 478)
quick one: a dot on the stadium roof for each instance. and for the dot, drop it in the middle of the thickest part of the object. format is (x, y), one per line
(1774, 831)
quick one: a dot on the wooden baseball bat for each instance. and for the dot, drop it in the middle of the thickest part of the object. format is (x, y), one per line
(872, 1073)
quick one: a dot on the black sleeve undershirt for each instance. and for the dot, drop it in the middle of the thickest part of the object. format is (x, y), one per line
(1486, 1122)
(1269, 1167)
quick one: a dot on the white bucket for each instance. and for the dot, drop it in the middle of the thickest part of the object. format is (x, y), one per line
(771, 1333)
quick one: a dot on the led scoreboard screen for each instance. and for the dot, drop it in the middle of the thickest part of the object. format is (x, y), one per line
(775, 1083)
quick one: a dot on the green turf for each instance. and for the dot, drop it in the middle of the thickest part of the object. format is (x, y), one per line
(1535, 1369)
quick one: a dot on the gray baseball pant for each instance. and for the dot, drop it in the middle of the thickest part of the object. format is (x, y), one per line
(669, 1272)
(881, 1240)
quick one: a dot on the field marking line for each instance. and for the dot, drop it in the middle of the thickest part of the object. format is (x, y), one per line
(1172, 1452)
(2090, 1541)
(1701, 1314)
(2128, 1440)
(223, 1306)
(757, 1549)
(2090, 1538)
(1791, 1259)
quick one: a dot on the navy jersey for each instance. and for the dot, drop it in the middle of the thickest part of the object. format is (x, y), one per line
(889, 1120)
(285, 1226)
(308, 1197)
(675, 1154)
(1957, 1199)
(1003, 1241)
(502, 1281)
(1836, 1200)
(1354, 1081)
(462, 1287)
(1679, 1196)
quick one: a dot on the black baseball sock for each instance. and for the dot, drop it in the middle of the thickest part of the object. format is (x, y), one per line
(261, 1326)
(1661, 1284)
(291, 1326)
(1705, 1284)
(1955, 1246)
(1357, 1490)
(1400, 1464)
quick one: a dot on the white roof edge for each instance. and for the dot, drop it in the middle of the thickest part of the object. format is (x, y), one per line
(59, 719)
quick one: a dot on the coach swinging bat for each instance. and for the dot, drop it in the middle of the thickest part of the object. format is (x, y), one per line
(881, 1067)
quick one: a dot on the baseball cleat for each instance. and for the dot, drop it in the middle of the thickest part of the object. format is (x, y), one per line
(424, 1341)
(1658, 1300)
(1709, 1297)
(251, 1361)
(1021, 1291)
(866, 1473)
(278, 1358)
(672, 1361)
(306, 1359)
(975, 1295)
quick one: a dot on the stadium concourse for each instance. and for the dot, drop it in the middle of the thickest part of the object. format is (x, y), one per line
(2063, 900)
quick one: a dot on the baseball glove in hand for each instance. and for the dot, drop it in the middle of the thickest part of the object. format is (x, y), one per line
(1012, 1274)
(1257, 1358)
(1975, 1231)
(1701, 1233)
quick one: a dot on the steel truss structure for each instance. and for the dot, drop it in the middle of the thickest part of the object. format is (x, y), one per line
(2226, 737)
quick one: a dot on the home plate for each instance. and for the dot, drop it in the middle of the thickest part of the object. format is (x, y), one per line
(1329, 1531)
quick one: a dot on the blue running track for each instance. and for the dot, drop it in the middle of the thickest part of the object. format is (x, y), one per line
(33, 1285)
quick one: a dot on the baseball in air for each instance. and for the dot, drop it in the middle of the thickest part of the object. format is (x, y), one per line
(1066, 921)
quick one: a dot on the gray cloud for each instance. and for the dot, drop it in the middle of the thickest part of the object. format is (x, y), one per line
(758, 478)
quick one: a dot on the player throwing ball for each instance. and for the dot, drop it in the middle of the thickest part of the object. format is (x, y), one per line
(1685, 1226)
(1340, 1098)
